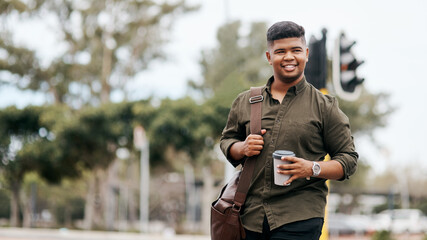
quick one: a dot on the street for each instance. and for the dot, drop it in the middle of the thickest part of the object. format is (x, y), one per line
(65, 234)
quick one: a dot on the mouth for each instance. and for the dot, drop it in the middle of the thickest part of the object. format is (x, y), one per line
(289, 67)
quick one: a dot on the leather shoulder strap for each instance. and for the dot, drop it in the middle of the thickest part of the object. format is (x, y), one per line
(255, 100)
(256, 103)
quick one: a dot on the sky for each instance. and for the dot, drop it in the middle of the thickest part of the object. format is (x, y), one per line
(390, 35)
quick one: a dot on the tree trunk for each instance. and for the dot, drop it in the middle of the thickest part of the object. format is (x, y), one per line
(105, 74)
(90, 203)
(95, 198)
(14, 204)
(109, 195)
(26, 211)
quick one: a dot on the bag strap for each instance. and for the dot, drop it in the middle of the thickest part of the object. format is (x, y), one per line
(255, 100)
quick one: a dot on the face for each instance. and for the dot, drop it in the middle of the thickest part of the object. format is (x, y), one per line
(288, 57)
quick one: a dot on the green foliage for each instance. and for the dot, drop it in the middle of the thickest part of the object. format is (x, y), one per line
(368, 112)
(27, 143)
(9, 6)
(236, 64)
(182, 124)
(20, 131)
(91, 138)
(4, 204)
(72, 209)
(60, 142)
(382, 235)
(357, 182)
(422, 206)
(106, 44)
(385, 206)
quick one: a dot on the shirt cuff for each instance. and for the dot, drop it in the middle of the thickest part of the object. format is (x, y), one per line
(348, 165)
(225, 147)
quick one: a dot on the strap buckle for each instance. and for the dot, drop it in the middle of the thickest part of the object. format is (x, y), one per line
(256, 99)
(236, 207)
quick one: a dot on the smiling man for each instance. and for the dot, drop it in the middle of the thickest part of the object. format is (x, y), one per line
(298, 118)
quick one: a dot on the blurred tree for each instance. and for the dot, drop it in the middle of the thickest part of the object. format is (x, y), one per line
(103, 44)
(70, 203)
(369, 112)
(383, 235)
(25, 145)
(180, 124)
(236, 64)
(12, 5)
(90, 142)
(4, 203)
(183, 132)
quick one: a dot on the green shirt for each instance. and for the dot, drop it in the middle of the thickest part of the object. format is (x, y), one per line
(306, 122)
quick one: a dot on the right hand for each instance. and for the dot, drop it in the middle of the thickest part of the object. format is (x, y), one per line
(253, 144)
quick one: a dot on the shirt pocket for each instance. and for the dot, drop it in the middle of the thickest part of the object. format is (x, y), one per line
(305, 135)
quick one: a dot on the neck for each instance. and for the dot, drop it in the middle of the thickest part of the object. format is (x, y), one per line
(280, 88)
(283, 86)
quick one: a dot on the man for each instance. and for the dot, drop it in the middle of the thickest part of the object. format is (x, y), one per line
(295, 117)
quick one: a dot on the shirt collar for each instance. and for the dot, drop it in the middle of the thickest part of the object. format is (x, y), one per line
(294, 89)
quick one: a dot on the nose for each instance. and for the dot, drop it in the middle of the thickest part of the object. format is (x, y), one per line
(288, 56)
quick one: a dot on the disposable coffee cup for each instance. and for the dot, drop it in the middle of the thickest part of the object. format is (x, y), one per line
(280, 179)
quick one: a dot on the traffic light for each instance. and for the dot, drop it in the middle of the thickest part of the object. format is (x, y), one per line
(317, 66)
(346, 82)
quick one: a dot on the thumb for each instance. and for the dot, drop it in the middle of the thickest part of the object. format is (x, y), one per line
(263, 131)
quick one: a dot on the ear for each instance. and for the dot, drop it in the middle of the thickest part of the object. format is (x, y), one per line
(307, 54)
(267, 54)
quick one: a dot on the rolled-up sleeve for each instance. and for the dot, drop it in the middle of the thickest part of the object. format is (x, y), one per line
(338, 139)
(232, 132)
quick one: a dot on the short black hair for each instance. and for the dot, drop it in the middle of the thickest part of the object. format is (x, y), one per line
(285, 29)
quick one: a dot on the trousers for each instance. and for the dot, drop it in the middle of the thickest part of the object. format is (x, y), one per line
(309, 229)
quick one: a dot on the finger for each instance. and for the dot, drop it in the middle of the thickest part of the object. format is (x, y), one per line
(253, 153)
(255, 148)
(285, 166)
(255, 138)
(255, 135)
(290, 180)
(290, 159)
(256, 141)
(263, 131)
(285, 172)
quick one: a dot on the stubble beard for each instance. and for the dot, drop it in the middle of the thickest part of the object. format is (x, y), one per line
(290, 80)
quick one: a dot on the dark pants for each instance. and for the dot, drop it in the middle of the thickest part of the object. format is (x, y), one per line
(310, 229)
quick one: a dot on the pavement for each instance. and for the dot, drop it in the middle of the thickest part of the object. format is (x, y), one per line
(66, 234)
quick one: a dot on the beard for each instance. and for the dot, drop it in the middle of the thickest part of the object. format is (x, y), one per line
(290, 79)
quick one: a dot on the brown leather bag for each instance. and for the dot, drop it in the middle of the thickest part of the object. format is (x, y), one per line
(225, 211)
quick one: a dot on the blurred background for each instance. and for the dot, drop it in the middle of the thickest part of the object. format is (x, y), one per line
(111, 111)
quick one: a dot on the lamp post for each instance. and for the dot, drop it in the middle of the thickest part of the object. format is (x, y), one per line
(141, 143)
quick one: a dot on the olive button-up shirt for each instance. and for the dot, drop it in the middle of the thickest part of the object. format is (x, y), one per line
(306, 122)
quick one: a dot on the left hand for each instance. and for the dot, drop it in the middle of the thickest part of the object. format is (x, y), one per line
(298, 168)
